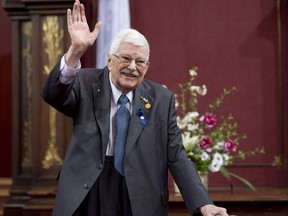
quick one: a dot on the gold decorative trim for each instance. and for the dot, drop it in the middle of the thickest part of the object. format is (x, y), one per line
(52, 37)
(27, 123)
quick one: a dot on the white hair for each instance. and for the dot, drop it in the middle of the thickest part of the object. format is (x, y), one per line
(129, 36)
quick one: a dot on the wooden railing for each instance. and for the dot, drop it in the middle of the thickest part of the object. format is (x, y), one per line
(5, 184)
(240, 202)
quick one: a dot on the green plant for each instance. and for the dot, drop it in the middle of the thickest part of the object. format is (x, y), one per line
(211, 143)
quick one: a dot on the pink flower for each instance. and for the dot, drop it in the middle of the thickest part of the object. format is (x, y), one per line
(229, 146)
(209, 119)
(205, 142)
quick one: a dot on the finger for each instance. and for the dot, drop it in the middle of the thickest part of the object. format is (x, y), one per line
(69, 17)
(221, 211)
(82, 13)
(80, 6)
(78, 9)
(75, 11)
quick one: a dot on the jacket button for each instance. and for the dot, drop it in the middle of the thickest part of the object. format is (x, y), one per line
(86, 186)
(100, 166)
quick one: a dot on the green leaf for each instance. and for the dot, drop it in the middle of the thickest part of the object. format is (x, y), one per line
(225, 173)
(228, 175)
(243, 180)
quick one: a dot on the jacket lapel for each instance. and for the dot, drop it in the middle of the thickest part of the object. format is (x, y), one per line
(102, 111)
(102, 106)
(135, 126)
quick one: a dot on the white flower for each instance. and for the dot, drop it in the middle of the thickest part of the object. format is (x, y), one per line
(202, 90)
(192, 127)
(176, 104)
(189, 142)
(186, 121)
(225, 158)
(205, 156)
(208, 149)
(202, 118)
(193, 72)
(194, 88)
(193, 114)
(219, 145)
(216, 163)
(190, 154)
(218, 157)
(187, 118)
(195, 139)
(180, 123)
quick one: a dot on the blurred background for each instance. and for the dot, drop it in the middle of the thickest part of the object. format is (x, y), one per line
(240, 43)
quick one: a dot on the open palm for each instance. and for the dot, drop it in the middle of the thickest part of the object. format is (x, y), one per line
(81, 37)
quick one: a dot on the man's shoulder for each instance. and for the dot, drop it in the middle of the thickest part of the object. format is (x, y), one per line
(157, 87)
(92, 73)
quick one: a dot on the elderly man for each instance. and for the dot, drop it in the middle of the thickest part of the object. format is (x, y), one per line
(118, 158)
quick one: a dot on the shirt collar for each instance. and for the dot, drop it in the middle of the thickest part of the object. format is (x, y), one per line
(116, 93)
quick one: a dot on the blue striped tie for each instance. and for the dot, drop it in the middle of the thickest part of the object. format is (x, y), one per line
(122, 118)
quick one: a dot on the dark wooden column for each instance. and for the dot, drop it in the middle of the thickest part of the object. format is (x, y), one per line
(40, 134)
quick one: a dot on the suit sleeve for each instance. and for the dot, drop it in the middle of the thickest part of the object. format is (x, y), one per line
(63, 97)
(182, 169)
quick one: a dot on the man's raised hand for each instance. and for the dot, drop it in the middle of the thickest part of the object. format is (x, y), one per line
(80, 34)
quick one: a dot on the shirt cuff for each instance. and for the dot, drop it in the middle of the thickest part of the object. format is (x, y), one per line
(67, 73)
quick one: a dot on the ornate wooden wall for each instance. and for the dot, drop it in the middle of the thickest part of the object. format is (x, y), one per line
(40, 134)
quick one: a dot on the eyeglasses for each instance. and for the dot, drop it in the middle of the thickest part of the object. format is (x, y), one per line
(127, 59)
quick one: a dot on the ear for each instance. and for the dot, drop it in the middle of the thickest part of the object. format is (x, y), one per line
(146, 69)
(109, 59)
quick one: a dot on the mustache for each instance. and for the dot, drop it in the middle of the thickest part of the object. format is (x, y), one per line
(131, 73)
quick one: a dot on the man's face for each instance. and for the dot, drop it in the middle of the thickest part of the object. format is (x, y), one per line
(128, 66)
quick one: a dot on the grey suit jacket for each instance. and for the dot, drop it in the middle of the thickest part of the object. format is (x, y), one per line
(151, 149)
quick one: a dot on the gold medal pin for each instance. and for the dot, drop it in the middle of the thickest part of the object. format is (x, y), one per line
(147, 103)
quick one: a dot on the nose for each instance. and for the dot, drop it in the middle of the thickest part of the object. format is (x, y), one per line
(132, 65)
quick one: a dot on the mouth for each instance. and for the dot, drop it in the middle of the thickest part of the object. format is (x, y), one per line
(133, 74)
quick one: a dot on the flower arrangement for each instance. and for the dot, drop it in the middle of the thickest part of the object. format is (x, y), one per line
(211, 143)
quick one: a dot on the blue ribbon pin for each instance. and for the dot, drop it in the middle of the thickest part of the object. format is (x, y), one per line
(140, 114)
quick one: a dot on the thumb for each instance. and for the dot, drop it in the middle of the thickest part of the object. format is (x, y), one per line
(96, 29)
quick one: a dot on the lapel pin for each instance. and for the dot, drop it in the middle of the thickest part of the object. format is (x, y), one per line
(146, 101)
(140, 114)
(147, 105)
